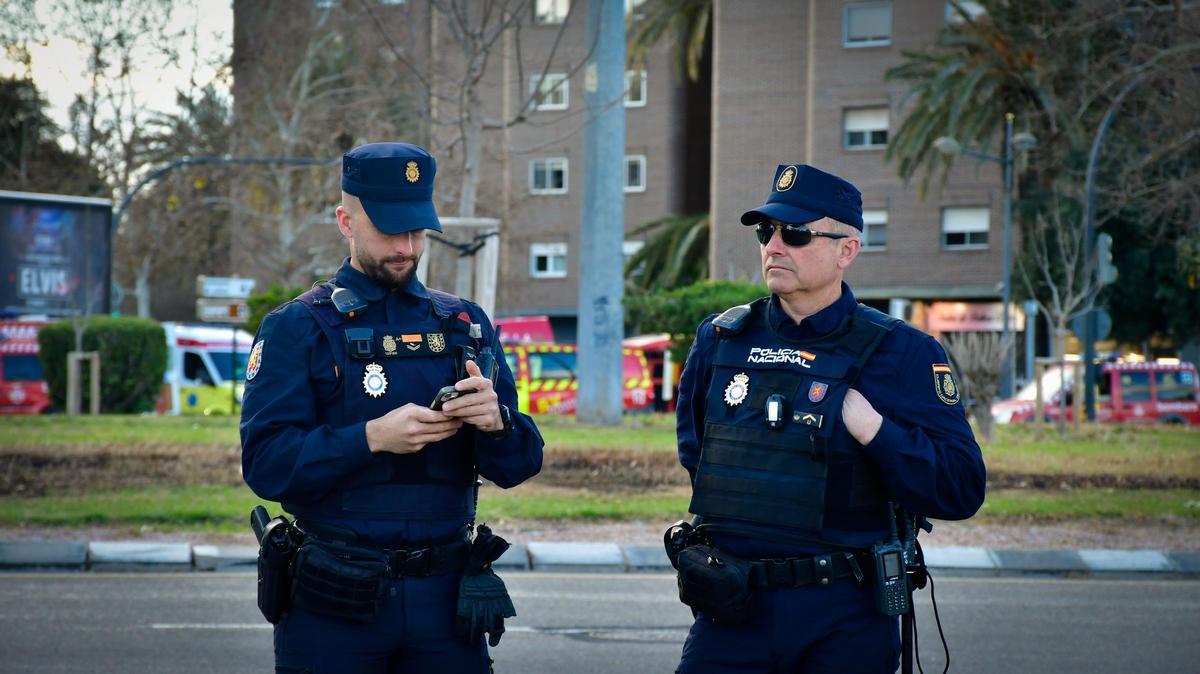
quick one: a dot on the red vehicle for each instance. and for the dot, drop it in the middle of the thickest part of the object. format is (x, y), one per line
(1164, 392)
(525, 330)
(23, 388)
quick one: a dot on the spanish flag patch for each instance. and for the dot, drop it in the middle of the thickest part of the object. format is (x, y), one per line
(943, 384)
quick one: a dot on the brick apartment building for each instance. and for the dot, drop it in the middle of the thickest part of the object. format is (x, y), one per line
(790, 82)
(804, 82)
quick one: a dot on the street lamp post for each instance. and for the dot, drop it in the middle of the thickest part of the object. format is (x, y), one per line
(1022, 141)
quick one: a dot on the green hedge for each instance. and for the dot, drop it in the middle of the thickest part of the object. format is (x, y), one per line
(264, 303)
(680, 311)
(133, 359)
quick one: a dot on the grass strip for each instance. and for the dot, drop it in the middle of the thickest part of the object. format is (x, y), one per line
(1021, 449)
(1083, 503)
(208, 507)
(122, 429)
(225, 509)
(576, 504)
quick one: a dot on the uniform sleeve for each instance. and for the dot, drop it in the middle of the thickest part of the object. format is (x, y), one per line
(286, 454)
(930, 460)
(693, 396)
(517, 457)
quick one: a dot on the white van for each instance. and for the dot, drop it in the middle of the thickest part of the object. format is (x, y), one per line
(206, 368)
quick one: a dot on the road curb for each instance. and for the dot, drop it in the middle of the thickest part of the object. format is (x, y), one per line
(139, 556)
(596, 557)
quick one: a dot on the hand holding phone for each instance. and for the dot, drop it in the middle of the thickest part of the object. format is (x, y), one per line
(446, 394)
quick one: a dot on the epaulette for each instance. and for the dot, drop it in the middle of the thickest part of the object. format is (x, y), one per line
(446, 304)
(732, 320)
(873, 315)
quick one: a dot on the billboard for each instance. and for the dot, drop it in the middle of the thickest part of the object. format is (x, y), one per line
(55, 254)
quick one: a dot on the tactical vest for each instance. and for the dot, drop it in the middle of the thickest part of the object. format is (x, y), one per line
(807, 473)
(382, 367)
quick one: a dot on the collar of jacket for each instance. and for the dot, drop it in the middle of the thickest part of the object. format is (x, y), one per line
(821, 323)
(349, 277)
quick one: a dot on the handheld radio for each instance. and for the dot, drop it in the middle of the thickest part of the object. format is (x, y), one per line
(891, 583)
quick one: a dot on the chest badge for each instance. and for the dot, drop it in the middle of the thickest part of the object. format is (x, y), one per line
(943, 384)
(389, 345)
(738, 389)
(374, 381)
(437, 342)
(816, 392)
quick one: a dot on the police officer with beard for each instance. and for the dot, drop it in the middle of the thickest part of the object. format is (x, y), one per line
(807, 422)
(337, 425)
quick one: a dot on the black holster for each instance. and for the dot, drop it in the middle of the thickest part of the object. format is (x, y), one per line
(715, 583)
(276, 549)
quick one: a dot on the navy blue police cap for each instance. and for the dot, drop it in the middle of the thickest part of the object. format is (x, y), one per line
(802, 194)
(394, 182)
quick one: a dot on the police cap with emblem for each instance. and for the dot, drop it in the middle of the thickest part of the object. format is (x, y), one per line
(802, 194)
(394, 182)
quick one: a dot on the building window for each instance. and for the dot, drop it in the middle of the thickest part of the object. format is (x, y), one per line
(635, 173)
(550, 11)
(965, 227)
(550, 92)
(865, 129)
(874, 236)
(635, 88)
(973, 10)
(548, 260)
(867, 24)
(548, 176)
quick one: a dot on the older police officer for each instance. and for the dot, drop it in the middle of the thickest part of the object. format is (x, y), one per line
(802, 418)
(337, 425)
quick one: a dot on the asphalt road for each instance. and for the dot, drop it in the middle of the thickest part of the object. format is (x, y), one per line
(589, 623)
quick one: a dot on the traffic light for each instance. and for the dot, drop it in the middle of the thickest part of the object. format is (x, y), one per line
(1106, 271)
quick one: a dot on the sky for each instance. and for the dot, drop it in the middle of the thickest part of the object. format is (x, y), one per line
(59, 65)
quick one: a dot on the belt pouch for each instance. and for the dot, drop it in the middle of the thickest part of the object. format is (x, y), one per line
(715, 583)
(339, 581)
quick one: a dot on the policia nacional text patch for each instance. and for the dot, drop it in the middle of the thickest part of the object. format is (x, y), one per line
(943, 384)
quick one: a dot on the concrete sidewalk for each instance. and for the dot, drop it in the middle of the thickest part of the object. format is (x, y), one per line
(595, 557)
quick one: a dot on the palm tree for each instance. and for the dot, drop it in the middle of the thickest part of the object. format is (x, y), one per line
(687, 21)
(676, 255)
(980, 68)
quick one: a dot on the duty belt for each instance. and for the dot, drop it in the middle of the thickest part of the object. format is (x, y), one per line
(407, 561)
(775, 573)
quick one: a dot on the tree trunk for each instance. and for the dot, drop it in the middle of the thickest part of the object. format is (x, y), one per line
(142, 286)
(1060, 338)
(472, 156)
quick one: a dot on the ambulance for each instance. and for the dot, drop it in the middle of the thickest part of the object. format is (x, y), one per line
(545, 375)
(23, 388)
(206, 369)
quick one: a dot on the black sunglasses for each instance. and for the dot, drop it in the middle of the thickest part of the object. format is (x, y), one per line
(793, 235)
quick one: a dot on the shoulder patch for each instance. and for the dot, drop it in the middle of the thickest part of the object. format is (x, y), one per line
(943, 384)
(254, 363)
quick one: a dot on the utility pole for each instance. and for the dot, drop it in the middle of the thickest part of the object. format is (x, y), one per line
(601, 268)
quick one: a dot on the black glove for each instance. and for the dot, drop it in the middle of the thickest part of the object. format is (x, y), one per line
(483, 601)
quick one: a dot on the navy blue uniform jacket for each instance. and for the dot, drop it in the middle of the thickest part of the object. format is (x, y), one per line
(926, 450)
(295, 442)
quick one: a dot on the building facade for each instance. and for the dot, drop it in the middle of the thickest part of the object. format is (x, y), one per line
(803, 82)
(791, 82)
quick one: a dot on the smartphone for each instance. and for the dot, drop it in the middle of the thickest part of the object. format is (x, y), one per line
(446, 394)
